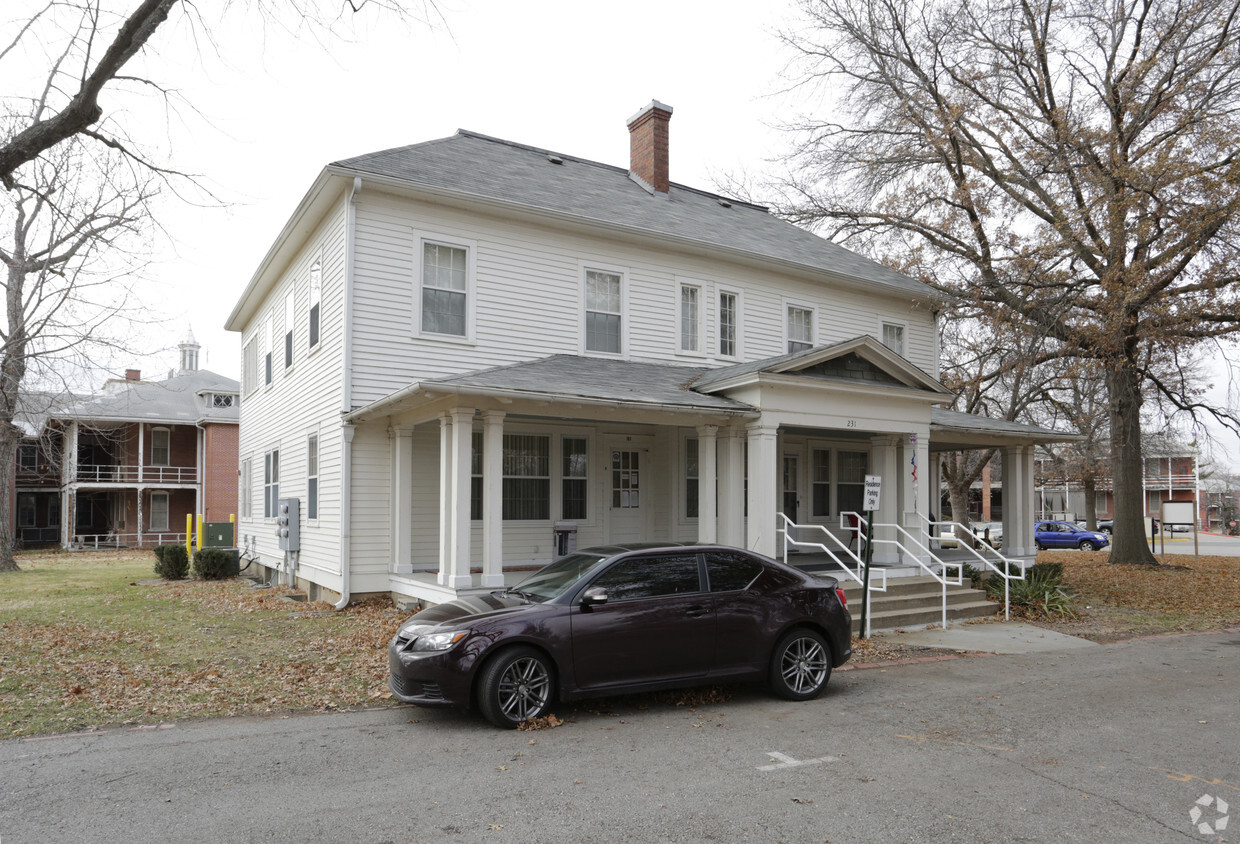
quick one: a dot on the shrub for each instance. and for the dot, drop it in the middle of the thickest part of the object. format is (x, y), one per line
(1041, 593)
(171, 561)
(975, 576)
(213, 564)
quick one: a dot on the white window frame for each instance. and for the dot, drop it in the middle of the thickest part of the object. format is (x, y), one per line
(561, 477)
(246, 495)
(158, 528)
(420, 240)
(686, 477)
(624, 308)
(249, 365)
(789, 304)
(266, 350)
(167, 432)
(738, 341)
(314, 318)
(290, 321)
(314, 460)
(271, 482)
(891, 323)
(548, 478)
(27, 510)
(699, 342)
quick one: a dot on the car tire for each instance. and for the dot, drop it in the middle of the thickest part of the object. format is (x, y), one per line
(1087, 545)
(800, 665)
(515, 685)
(1041, 547)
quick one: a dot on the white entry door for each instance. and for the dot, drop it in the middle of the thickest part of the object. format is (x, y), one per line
(629, 495)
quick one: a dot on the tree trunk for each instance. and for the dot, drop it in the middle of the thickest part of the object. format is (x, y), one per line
(1090, 485)
(1124, 407)
(9, 436)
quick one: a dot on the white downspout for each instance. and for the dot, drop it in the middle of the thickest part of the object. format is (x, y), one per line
(346, 398)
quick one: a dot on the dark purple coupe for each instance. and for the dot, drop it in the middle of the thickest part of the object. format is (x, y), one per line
(625, 618)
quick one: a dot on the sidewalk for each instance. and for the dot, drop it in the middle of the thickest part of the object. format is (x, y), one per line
(1000, 637)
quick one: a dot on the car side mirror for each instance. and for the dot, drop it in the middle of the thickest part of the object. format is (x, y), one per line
(595, 596)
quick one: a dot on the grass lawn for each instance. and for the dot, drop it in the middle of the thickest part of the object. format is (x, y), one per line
(95, 639)
(88, 639)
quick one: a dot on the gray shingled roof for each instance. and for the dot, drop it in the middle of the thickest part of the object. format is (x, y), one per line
(954, 419)
(597, 379)
(174, 400)
(475, 165)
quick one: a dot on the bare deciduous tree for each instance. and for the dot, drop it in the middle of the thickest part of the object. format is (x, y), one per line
(1080, 157)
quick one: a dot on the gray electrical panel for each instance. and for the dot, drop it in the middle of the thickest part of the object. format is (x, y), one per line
(288, 524)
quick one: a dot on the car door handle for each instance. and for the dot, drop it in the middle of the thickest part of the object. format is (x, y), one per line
(696, 612)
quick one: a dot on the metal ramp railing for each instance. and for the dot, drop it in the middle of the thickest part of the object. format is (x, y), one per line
(981, 550)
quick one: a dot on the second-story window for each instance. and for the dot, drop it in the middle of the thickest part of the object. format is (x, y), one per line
(270, 337)
(893, 337)
(312, 476)
(28, 457)
(249, 365)
(603, 312)
(161, 447)
(316, 296)
(727, 324)
(444, 289)
(288, 330)
(800, 329)
(690, 318)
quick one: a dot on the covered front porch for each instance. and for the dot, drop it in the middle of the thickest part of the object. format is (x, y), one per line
(496, 472)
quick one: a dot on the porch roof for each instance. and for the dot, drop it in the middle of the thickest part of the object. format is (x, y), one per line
(951, 430)
(569, 378)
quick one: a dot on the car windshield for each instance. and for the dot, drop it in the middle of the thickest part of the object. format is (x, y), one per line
(552, 580)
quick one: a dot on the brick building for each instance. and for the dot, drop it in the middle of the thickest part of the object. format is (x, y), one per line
(125, 467)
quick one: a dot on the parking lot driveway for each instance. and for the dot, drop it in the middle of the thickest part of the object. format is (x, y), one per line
(1133, 741)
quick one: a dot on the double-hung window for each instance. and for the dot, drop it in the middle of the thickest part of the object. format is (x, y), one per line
(850, 483)
(690, 318)
(246, 491)
(800, 329)
(249, 365)
(271, 483)
(821, 482)
(573, 480)
(691, 478)
(445, 289)
(316, 297)
(28, 457)
(475, 476)
(604, 313)
(527, 477)
(728, 333)
(161, 447)
(893, 337)
(288, 330)
(269, 336)
(312, 476)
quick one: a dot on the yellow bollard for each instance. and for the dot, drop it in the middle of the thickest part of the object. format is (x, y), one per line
(199, 539)
(189, 533)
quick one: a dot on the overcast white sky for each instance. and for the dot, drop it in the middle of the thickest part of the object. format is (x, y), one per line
(559, 74)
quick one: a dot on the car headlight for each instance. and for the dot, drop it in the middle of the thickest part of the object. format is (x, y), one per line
(438, 641)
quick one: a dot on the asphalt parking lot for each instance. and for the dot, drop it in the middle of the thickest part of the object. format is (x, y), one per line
(1113, 742)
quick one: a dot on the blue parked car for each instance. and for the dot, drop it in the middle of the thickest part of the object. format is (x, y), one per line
(1067, 535)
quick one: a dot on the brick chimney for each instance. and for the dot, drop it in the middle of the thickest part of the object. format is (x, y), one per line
(648, 145)
(133, 374)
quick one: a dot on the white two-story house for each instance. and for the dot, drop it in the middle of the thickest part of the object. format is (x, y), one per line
(461, 353)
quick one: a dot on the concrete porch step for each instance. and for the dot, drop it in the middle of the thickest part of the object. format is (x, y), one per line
(916, 602)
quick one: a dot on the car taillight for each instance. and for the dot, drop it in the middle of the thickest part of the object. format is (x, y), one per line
(843, 598)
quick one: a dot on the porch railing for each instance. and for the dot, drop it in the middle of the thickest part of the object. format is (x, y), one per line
(916, 549)
(857, 559)
(118, 474)
(98, 541)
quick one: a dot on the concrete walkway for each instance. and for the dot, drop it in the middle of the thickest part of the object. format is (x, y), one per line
(1000, 637)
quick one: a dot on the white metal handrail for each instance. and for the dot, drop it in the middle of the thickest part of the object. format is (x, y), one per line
(95, 541)
(941, 576)
(857, 559)
(1008, 563)
(128, 474)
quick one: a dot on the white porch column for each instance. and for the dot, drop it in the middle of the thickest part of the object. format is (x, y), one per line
(68, 476)
(915, 486)
(141, 443)
(731, 485)
(462, 448)
(1017, 503)
(445, 497)
(493, 499)
(402, 499)
(708, 531)
(761, 525)
(1027, 504)
(884, 462)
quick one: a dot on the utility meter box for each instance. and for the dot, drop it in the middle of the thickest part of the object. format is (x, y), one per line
(288, 524)
(218, 535)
